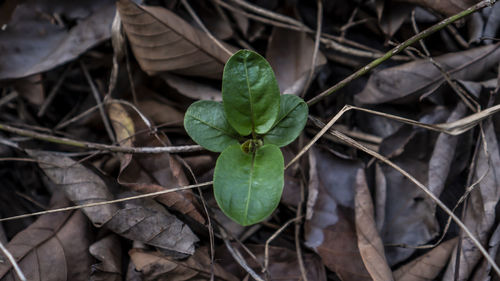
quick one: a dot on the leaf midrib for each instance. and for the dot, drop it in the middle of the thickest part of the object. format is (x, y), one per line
(249, 94)
(249, 192)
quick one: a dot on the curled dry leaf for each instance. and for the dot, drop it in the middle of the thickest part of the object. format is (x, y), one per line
(480, 213)
(150, 172)
(54, 247)
(413, 79)
(157, 266)
(108, 251)
(428, 266)
(32, 44)
(331, 230)
(369, 243)
(141, 220)
(162, 41)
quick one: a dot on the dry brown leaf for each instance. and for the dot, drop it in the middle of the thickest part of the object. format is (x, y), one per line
(480, 213)
(331, 230)
(445, 7)
(428, 266)
(151, 172)
(160, 113)
(369, 243)
(54, 247)
(31, 43)
(157, 266)
(413, 79)
(191, 88)
(162, 41)
(141, 220)
(290, 53)
(108, 251)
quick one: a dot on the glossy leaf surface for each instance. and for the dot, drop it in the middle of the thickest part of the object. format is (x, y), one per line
(206, 124)
(250, 93)
(291, 120)
(248, 186)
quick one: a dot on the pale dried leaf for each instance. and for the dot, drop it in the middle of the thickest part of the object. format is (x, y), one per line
(54, 247)
(445, 7)
(290, 53)
(32, 44)
(410, 80)
(108, 251)
(331, 230)
(157, 266)
(369, 243)
(162, 41)
(191, 88)
(142, 220)
(480, 213)
(428, 266)
(147, 173)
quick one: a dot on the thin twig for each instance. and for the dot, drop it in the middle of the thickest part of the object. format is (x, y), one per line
(438, 202)
(97, 97)
(399, 48)
(147, 195)
(98, 146)
(270, 239)
(9, 256)
(54, 91)
(319, 20)
(203, 27)
(238, 257)
(298, 248)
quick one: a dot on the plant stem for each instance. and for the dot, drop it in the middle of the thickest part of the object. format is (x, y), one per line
(400, 48)
(98, 146)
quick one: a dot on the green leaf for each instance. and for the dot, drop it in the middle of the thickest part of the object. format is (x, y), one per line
(250, 93)
(248, 186)
(206, 123)
(291, 121)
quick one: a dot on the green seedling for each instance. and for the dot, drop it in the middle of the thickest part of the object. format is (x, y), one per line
(248, 127)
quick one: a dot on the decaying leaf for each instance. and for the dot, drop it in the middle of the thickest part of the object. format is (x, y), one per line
(407, 217)
(283, 263)
(191, 88)
(480, 213)
(157, 266)
(108, 252)
(54, 247)
(162, 41)
(293, 65)
(427, 266)
(369, 242)
(142, 220)
(411, 80)
(31, 43)
(150, 172)
(445, 7)
(331, 230)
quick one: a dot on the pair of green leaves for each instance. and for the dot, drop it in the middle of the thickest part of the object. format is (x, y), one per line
(250, 125)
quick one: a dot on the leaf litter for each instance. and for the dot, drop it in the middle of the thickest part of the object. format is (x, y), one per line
(364, 220)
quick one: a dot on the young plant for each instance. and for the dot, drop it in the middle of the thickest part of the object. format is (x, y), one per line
(248, 127)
